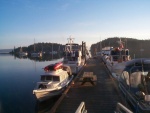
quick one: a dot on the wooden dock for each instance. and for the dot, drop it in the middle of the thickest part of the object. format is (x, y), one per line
(100, 97)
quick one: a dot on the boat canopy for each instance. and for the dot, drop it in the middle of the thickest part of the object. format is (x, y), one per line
(53, 67)
(116, 51)
(137, 75)
(142, 64)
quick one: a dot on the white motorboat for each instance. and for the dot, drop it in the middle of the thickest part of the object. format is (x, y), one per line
(53, 82)
(134, 82)
(36, 54)
(74, 56)
(117, 59)
(21, 53)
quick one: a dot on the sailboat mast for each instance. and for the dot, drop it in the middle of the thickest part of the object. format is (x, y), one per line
(100, 45)
(34, 44)
(70, 41)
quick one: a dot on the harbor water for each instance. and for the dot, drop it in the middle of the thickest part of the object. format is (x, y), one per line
(18, 77)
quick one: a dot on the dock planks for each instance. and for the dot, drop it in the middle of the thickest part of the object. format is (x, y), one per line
(100, 98)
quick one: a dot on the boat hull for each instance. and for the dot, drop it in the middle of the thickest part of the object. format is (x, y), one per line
(44, 95)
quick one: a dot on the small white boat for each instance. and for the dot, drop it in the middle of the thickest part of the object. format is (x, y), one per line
(21, 53)
(36, 54)
(53, 82)
(104, 54)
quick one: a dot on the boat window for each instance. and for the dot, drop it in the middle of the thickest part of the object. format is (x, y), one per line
(56, 78)
(43, 78)
(76, 54)
(127, 52)
(49, 78)
(122, 52)
(147, 67)
(115, 58)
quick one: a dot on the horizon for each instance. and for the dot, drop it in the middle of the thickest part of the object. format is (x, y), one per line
(85, 20)
(64, 44)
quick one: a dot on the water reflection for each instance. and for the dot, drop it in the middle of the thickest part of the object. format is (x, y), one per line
(18, 77)
(45, 106)
(45, 57)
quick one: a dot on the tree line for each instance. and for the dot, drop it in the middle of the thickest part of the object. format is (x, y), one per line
(137, 48)
(40, 47)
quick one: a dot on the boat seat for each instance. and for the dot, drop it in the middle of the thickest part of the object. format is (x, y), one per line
(135, 79)
(125, 77)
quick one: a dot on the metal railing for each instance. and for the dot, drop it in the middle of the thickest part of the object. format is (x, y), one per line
(122, 109)
(81, 108)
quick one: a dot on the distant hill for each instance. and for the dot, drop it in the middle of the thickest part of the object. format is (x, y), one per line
(5, 50)
(38, 47)
(139, 48)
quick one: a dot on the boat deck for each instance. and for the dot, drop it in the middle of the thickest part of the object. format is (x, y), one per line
(100, 98)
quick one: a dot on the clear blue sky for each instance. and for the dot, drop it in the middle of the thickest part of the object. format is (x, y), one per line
(22, 21)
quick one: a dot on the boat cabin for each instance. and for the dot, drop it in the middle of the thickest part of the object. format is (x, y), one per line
(117, 54)
(54, 72)
(72, 52)
(53, 77)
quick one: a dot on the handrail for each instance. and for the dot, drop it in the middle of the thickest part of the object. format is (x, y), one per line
(122, 109)
(81, 108)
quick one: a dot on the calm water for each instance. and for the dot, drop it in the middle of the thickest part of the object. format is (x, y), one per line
(18, 78)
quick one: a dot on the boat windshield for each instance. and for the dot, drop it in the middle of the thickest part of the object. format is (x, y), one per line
(72, 47)
(138, 67)
(50, 78)
(118, 52)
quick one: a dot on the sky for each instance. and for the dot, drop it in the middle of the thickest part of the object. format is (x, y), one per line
(23, 21)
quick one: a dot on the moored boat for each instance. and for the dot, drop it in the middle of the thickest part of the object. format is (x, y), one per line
(21, 53)
(73, 56)
(105, 53)
(36, 54)
(53, 82)
(134, 82)
(117, 59)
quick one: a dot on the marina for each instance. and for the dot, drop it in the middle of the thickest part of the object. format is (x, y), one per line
(74, 56)
(108, 82)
